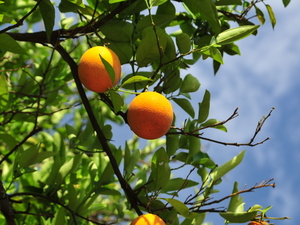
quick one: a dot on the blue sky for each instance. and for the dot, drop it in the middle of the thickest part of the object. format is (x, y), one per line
(266, 75)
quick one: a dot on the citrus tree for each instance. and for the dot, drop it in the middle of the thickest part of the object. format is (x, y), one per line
(61, 161)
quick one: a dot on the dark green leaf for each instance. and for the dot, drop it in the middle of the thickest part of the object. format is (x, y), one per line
(183, 42)
(110, 70)
(122, 31)
(189, 84)
(48, 15)
(117, 101)
(204, 107)
(228, 2)
(207, 10)
(286, 2)
(178, 184)
(185, 105)
(160, 170)
(172, 143)
(148, 51)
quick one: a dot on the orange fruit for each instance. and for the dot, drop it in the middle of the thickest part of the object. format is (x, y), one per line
(150, 115)
(92, 72)
(148, 219)
(257, 223)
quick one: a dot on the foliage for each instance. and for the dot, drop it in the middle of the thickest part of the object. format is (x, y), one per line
(61, 162)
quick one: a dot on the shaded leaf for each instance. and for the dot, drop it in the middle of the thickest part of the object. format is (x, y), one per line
(48, 15)
(238, 217)
(4, 95)
(207, 10)
(183, 42)
(204, 107)
(185, 105)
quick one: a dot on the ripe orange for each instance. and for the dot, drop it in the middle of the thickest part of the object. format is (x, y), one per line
(148, 219)
(92, 72)
(150, 115)
(257, 223)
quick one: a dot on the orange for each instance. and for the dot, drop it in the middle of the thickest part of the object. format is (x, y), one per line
(92, 72)
(257, 223)
(148, 219)
(150, 115)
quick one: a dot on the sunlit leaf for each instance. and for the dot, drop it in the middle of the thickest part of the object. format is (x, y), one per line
(271, 15)
(7, 43)
(235, 34)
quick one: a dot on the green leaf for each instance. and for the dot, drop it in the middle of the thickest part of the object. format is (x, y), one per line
(122, 31)
(4, 94)
(28, 156)
(156, 2)
(183, 42)
(181, 208)
(148, 51)
(59, 217)
(189, 84)
(160, 20)
(68, 168)
(172, 143)
(271, 15)
(216, 55)
(211, 122)
(238, 217)
(130, 161)
(122, 49)
(185, 105)
(236, 203)
(7, 43)
(178, 184)
(228, 2)
(117, 100)
(286, 2)
(220, 171)
(206, 10)
(204, 107)
(235, 34)
(6, 19)
(110, 70)
(48, 15)
(136, 79)
(160, 170)
(260, 15)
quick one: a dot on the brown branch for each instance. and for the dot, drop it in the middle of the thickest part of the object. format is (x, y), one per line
(62, 34)
(132, 197)
(234, 115)
(5, 207)
(261, 185)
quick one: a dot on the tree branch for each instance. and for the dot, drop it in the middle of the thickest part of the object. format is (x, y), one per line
(132, 197)
(5, 207)
(62, 34)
